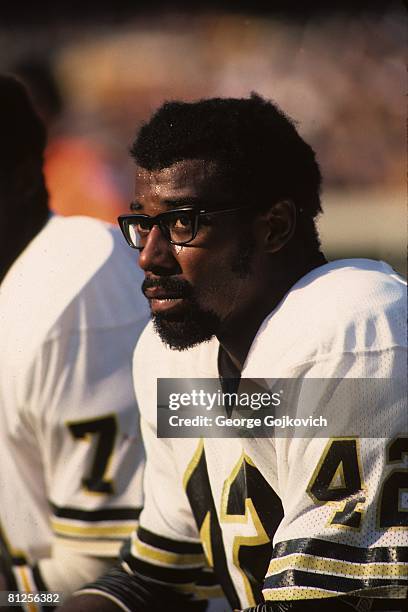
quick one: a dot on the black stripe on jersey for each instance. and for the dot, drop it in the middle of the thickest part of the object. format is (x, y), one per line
(109, 514)
(6, 565)
(6, 556)
(168, 545)
(40, 584)
(341, 552)
(162, 574)
(338, 584)
(38, 579)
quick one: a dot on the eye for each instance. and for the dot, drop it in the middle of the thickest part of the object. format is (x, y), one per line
(142, 227)
(180, 223)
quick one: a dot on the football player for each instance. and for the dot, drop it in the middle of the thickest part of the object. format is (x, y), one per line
(227, 193)
(71, 456)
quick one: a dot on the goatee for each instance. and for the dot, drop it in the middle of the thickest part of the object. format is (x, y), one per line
(184, 331)
(181, 331)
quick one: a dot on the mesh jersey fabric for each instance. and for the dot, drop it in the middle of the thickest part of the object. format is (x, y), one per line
(245, 507)
(71, 458)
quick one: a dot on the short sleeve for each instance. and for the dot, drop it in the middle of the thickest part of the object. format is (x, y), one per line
(345, 528)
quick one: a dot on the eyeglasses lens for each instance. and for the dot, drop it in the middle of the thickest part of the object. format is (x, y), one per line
(176, 226)
(133, 235)
(180, 226)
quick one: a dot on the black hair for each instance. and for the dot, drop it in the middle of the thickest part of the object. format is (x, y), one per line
(253, 140)
(23, 195)
(37, 73)
(22, 132)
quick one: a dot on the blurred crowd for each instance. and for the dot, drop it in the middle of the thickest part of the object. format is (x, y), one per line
(340, 76)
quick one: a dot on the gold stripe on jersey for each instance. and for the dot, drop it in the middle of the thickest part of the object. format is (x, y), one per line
(302, 565)
(179, 564)
(193, 463)
(109, 531)
(205, 538)
(161, 556)
(296, 594)
(334, 567)
(22, 576)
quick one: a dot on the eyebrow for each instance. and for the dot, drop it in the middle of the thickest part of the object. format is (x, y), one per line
(179, 202)
(193, 202)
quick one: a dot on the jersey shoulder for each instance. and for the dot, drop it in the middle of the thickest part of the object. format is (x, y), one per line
(348, 306)
(77, 274)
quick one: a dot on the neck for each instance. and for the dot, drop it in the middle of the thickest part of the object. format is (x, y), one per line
(239, 330)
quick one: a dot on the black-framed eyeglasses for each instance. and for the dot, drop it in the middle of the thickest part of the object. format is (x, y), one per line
(179, 226)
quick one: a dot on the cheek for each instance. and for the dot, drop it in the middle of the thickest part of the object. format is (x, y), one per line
(212, 278)
(178, 249)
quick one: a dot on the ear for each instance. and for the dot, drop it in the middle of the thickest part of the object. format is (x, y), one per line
(279, 225)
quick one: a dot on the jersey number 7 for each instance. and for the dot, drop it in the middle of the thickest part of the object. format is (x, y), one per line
(102, 432)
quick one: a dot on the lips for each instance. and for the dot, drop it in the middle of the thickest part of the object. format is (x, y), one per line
(167, 294)
(158, 293)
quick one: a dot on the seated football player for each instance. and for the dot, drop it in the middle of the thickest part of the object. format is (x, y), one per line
(71, 310)
(227, 194)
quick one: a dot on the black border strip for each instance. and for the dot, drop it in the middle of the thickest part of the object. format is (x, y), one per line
(38, 579)
(108, 514)
(297, 578)
(341, 552)
(167, 544)
(163, 574)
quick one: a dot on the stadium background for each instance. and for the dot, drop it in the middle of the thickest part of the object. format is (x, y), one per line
(339, 71)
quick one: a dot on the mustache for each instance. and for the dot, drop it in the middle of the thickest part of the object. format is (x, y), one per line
(176, 286)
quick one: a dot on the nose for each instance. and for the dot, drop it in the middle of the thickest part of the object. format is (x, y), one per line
(157, 255)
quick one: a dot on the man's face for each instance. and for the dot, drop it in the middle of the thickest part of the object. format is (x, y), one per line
(196, 289)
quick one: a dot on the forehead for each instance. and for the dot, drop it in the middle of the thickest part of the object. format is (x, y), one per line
(190, 178)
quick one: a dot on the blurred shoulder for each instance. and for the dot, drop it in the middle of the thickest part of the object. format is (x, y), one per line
(77, 275)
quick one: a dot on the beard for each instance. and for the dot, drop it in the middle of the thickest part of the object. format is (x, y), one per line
(181, 331)
(185, 331)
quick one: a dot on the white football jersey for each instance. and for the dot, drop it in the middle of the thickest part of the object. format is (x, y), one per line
(288, 518)
(71, 457)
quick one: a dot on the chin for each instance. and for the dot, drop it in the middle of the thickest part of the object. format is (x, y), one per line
(182, 333)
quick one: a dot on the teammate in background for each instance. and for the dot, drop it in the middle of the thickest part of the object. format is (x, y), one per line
(78, 168)
(71, 310)
(227, 193)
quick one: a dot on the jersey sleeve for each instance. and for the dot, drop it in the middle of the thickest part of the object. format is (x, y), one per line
(71, 457)
(72, 460)
(345, 525)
